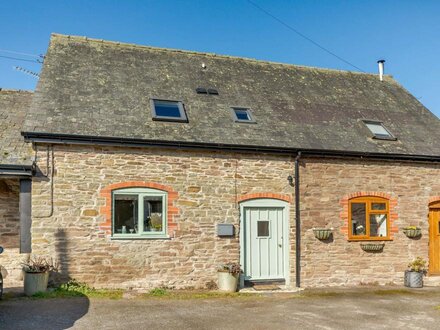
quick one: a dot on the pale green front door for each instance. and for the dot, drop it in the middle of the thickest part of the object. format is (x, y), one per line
(264, 242)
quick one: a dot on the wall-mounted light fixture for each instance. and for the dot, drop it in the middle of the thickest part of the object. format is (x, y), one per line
(290, 179)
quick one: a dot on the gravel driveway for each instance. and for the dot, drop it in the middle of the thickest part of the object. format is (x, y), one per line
(340, 309)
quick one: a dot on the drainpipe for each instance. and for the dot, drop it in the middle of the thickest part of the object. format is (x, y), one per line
(297, 223)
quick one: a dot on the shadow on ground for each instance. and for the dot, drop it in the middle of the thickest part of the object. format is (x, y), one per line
(48, 314)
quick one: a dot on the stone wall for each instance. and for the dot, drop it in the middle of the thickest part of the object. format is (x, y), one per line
(209, 186)
(9, 230)
(325, 184)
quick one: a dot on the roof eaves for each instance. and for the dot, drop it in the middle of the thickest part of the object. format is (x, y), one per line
(16, 170)
(56, 138)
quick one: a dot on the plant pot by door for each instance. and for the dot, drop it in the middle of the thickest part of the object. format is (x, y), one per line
(35, 282)
(413, 279)
(227, 282)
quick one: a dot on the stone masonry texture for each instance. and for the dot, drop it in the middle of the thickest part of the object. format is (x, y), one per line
(10, 259)
(209, 186)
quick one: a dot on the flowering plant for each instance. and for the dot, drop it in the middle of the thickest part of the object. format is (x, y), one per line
(231, 268)
(411, 228)
(417, 265)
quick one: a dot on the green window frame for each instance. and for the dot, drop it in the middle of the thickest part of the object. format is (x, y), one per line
(148, 206)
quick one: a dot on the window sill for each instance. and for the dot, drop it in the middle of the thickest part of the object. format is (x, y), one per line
(136, 238)
(384, 138)
(369, 239)
(245, 121)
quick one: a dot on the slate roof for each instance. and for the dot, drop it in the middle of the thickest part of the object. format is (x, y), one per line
(101, 88)
(13, 108)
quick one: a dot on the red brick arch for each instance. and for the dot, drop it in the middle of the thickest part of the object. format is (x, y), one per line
(434, 199)
(283, 197)
(106, 210)
(392, 207)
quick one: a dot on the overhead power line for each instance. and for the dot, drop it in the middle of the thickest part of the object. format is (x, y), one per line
(19, 53)
(303, 36)
(20, 59)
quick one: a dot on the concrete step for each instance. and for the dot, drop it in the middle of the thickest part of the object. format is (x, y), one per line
(431, 280)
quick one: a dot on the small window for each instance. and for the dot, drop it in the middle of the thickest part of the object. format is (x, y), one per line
(168, 110)
(243, 115)
(263, 228)
(379, 131)
(138, 212)
(368, 218)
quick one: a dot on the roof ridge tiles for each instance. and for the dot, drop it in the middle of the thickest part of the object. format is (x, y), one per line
(4, 90)
(206, 54)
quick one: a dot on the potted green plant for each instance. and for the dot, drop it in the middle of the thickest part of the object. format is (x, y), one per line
(228, 277)
(414, 274)
(412, 231)
(36, 274)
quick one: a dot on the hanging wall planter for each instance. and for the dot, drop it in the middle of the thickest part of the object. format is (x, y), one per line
(322, 233)
(412, 231)
(372, 247)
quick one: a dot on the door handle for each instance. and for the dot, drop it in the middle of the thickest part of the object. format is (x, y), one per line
(279, 245)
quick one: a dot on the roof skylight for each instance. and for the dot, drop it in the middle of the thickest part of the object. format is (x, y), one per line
(379, 130)
(168, 110)
(242, 115)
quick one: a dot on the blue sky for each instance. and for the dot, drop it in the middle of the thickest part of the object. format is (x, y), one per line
(405, 33)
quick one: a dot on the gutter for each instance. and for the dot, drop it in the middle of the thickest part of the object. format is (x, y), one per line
(55, 138)
(297, 224)
(16, 170)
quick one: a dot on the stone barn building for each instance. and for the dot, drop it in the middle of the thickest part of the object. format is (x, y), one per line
(150, 167)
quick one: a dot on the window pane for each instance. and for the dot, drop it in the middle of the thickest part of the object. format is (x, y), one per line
(378, 225)
(153, 217)
(263, 228)
(377, 129)
(126, 214)
(242, 114)
(358, 219)
(167, 109)
(378, 206)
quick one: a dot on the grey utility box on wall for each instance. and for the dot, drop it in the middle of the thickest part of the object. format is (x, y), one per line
(225, 229)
